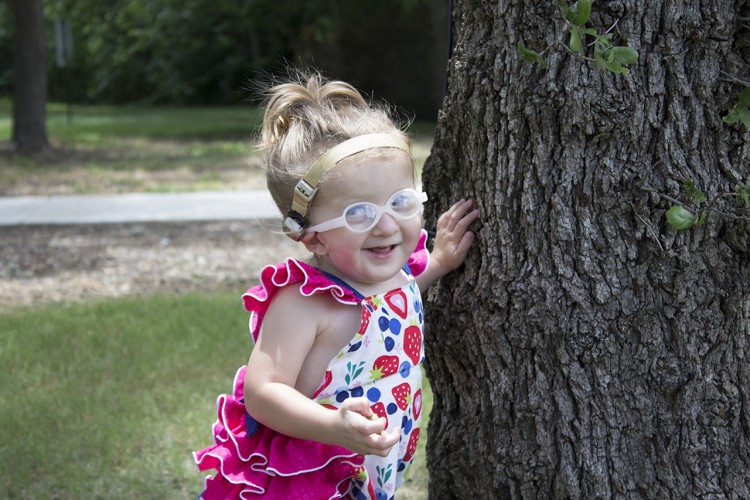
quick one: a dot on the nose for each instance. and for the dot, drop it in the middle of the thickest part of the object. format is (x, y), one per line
(387, 225)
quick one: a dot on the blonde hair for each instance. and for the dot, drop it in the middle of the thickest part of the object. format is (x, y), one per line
(304, 118)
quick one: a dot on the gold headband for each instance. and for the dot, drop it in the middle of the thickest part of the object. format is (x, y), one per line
(305, 190)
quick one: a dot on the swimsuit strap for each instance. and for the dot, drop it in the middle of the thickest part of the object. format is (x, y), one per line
(346, 285)
(343, 283)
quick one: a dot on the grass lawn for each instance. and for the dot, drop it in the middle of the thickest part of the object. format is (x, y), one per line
(99, 125)
(108, 399)
(106, 149)
(136, 149)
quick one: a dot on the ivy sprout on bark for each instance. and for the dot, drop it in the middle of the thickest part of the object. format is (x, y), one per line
(679, 217)
(607, 56)
(741, 110)
(695, 209)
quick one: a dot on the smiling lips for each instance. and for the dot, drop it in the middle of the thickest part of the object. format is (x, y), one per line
(382, 251)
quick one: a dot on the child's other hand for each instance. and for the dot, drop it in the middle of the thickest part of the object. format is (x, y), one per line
(363, 433)
(452, 236)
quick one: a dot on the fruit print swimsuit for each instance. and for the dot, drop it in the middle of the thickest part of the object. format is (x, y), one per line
(381, 362)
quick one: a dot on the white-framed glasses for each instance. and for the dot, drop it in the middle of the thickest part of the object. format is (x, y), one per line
(363, 216)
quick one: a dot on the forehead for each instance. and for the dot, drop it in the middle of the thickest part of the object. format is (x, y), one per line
(364, 177)
(389, 163)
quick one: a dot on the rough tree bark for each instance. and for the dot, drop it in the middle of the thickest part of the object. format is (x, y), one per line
(588, 350)
(29, 77)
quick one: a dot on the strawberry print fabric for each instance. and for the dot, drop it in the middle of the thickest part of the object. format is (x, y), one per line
(381, 362)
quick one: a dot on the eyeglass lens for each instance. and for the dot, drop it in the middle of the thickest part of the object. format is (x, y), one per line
(363, 216)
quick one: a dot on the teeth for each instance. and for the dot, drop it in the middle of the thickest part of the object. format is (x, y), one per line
(381, 249)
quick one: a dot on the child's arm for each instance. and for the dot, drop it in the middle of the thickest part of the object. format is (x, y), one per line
(452, 242)
(287, 335)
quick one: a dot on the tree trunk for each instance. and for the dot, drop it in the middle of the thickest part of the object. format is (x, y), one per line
(29, 77)
(587, 349)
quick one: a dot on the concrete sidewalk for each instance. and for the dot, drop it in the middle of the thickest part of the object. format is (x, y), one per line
(137, 207)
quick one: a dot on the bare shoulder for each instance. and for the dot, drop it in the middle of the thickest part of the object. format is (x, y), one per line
(290, 299)
(319, 316)
(290, 325)
(299, 336)
(316, 308)
(289, 306)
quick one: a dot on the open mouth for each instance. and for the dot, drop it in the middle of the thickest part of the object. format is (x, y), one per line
(382, 251)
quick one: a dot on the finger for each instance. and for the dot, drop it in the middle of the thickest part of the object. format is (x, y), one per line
(462, 210)
(358, 405)
(374, 426)
(382, 443)
(464, 223)
(445, 216)
(465, 244)
(457, 212)
(456, 205)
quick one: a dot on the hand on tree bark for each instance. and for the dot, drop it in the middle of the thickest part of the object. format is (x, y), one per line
(452, 241)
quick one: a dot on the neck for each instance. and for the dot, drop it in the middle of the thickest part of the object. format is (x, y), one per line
(366, 289)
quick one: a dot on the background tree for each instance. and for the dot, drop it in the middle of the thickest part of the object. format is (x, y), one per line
(395, 49)
(588, 349)
(192, 52)
(30, 77)
(6, 48)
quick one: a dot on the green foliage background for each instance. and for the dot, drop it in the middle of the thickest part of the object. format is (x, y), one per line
(207, 51)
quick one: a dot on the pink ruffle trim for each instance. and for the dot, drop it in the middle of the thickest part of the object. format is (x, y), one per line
(274, 277)
(269, 463)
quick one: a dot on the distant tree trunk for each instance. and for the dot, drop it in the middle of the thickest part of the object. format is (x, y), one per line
(29, 77)
(587, 349)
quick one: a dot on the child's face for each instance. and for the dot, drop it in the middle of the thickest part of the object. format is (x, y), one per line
(377, 255)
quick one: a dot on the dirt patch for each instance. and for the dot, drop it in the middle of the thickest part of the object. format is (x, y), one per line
(42, 264)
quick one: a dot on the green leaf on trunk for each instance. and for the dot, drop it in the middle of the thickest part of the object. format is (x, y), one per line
(576, 44)
(582, 12)
(531, 56)
(741, 111)
(688, 187)
(625, 55)
(680, 218)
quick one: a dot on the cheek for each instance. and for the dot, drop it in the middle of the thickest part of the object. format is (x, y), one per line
(411, 233)
(415, 226)
(344, 243)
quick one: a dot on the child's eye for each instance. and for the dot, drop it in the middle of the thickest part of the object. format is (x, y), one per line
(403, 202)
(360, 214)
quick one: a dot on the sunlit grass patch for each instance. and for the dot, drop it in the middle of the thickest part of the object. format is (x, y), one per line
(99, 398)
(109, 398)
(96, 124)
(117, 149)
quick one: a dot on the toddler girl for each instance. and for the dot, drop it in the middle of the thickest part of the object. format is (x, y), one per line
(329, 404)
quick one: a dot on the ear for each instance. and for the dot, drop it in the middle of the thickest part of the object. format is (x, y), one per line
(314, 243)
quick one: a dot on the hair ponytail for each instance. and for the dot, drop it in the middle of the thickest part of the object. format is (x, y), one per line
(306, 116)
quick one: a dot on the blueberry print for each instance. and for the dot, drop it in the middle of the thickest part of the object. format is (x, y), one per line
(373, 394)
(389, 344)
(388, 375)
(383, 323)
(395, 326)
